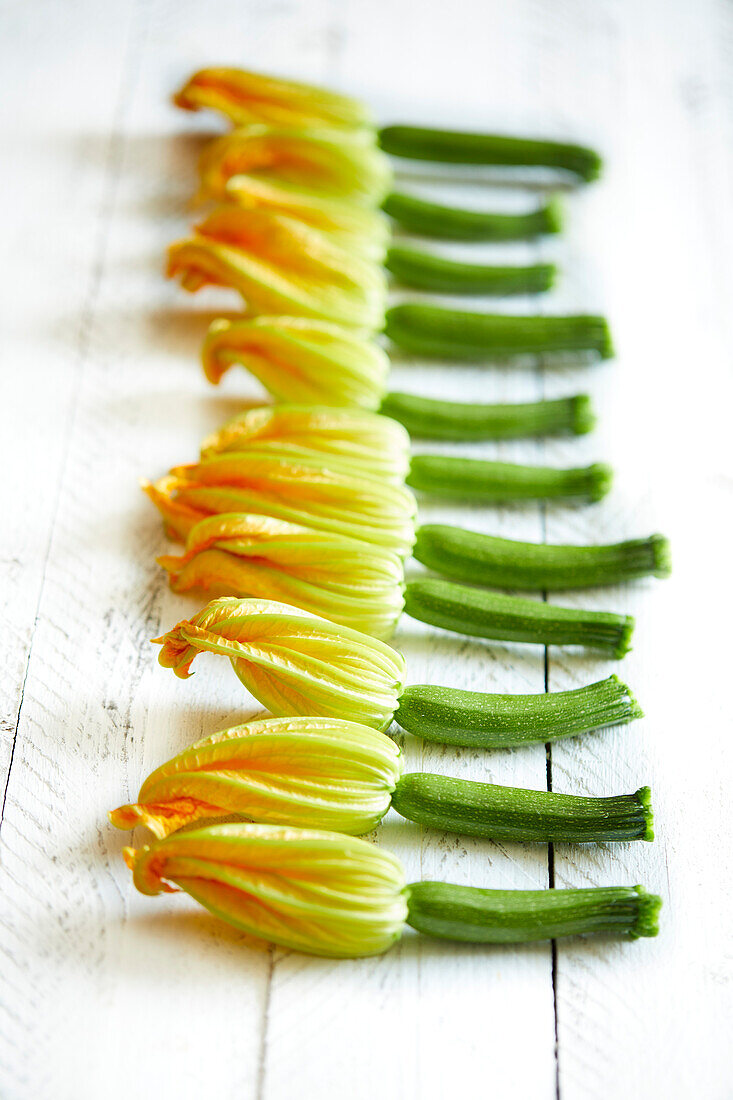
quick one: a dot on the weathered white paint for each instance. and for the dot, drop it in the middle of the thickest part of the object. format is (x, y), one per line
(106, 993)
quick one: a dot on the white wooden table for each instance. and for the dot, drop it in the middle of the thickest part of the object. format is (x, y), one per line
(109, 994)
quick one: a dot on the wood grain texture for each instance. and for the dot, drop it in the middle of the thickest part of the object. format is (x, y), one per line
(652, 1017)
(107, 993)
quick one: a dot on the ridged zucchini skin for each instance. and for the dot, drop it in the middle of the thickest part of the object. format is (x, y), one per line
(503, 563)
(431, 219)
(431, 418)
(453, 716)
(510, 813)
(483, 614)
(483, 480)
(469, 914)
(461, 147)
(423, 271)
(435, 331)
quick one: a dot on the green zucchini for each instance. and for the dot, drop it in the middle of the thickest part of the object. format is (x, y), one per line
(483, 614)
(430, 219)
(503, 563)
(510, 813)
(460, 147)
(484, 480)
(424, 271)
(429, 418)
(472, 915)
(477, 719)
(455, 334)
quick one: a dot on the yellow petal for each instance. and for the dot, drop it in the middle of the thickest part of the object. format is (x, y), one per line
(325, 163)
(346, 580)
(291, 661)
(178, 518)
(280, 265)
(244, 96)
(353, 226)
(376, 445)
(319, 892)
(300, 360)
(319, 773)
(307, 490)
(164, 817)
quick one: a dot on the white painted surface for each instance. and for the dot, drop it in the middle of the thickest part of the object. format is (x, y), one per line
(106, 993)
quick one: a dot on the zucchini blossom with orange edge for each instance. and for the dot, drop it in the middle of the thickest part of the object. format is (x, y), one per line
(376, 445)
(320, 163)
(244, 96)
(300, 360)
(353, 226)
(320, 773)
(329, 894)
(319, 892)
(291, 661)
(280, 265)
(347, 580)
(309, 490)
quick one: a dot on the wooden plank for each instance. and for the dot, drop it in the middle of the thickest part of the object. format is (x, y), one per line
(150, 995)
(648, 246)
(431, 1018)
(101, 985)
(60, 148)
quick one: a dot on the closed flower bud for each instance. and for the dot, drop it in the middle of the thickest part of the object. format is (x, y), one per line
(347, 580)
(326, 163)
(318, 892)
(291, 661)
(374, 444)
(307, 490)
(300, 360)
(334, 895)
(353, 226)
(244, 97)
(317, 773)
(280, 265)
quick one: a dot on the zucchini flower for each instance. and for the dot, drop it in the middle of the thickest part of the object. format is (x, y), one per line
(376, 445)
(349, 224)
(353, 583)
(319, 773)
(323, 773)
(245, 97)
(300, 360)
(306, 361)
(297, 663)
(327, 894)
(306, 490)
(335, 186)
(326, 164)
(318, 892)
(347, 580)
(291, 661)
(280, 265)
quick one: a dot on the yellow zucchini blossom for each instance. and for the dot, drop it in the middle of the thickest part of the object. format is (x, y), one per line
(376, 445)
(280, 265)
(347, 580)
(315, 773)
(319, 892)
(300, 360)
(291, 661)
(308, 490)
(244, 96)
(352, 226)
(324, 163)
